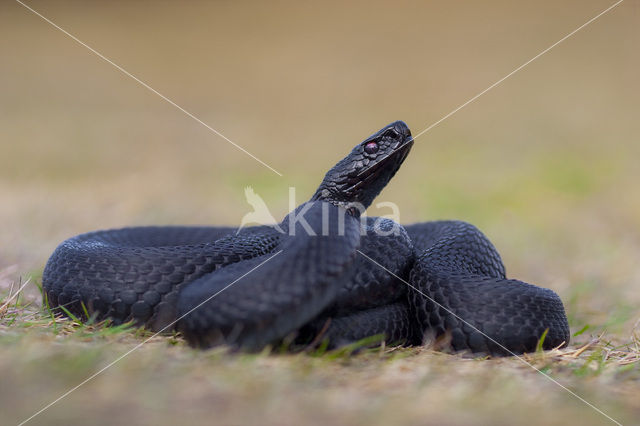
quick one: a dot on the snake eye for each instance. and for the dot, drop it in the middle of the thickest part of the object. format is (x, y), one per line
(371, 148)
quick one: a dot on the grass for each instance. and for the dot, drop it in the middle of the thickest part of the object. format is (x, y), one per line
(166, 382)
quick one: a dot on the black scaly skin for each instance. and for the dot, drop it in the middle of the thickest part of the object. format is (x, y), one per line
(318, 285)
(392, 321)
(136, 273)
(459, 268)
(462, 299)
(372, 301)
(370, 286)
(262, 306)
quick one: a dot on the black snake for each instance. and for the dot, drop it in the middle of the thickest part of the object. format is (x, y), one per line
(326, 274)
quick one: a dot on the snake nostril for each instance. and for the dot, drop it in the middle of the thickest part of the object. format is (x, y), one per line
(402, 128)
(391, 133)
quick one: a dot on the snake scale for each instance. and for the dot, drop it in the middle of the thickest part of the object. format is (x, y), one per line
(327, 273)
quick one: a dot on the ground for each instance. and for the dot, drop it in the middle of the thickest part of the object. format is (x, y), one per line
(545, 164)
(164, 382)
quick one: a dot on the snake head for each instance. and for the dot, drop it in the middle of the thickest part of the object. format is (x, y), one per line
(358, 178)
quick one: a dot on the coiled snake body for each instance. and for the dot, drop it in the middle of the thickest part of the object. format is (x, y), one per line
(325, 273)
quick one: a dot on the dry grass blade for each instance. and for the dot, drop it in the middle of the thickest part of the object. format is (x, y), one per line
(578, 351)
(11, 297)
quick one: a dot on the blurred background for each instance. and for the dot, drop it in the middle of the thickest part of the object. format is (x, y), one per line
(546, 164)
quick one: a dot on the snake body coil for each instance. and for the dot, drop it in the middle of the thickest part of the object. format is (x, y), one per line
(324, 273)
